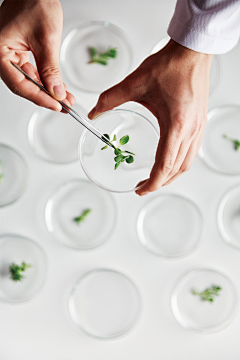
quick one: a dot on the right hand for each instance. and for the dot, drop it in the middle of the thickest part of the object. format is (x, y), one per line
(36, 26)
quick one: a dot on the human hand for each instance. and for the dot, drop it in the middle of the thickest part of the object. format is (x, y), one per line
(36, 26)
(174, 85)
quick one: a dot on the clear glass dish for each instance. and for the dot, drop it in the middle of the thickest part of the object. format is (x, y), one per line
(229, 217)
(215, 72)
(99, 165)
(69, 201)
(217, 152)
(194, 313)
(169, 225)
(17, 249)
(54, 136)
(75, 55)
(105, 304)
(13, 175)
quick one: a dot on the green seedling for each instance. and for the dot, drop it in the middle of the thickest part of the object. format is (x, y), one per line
(209, 293)
(235, 142)
(16, 271)
(102, 58)
(82, 217)
(121, 155)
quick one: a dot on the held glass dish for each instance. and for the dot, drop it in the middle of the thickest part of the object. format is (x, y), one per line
(99, 164)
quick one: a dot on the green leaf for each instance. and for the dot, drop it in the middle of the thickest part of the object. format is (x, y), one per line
(105, 147)
(117, 151)
(100, 61)
(124, 140)
(129, 152)
(93, 52)
(107, 136)
(117, 165)
(114, 138)
(118, 158)
(236, 144)
(130, 159)
(83, 216)
(110, 53)
(16, 271)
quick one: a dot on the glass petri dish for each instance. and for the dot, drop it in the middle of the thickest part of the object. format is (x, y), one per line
(229, 217)
(169, 225)
(193, 313)
(13, 175)
(75, 56)
(104, 304)
(99, 165)
(215, 72)
(17, 249)
(217, 152)
(54, 136)
(69, 201)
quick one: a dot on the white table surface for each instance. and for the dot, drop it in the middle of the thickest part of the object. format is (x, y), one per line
(41, 328)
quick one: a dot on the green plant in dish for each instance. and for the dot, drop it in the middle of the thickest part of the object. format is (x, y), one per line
(121, 155)
(102, 58)
(82, 217)
(16, 271)
(208, 294)
(235, 142)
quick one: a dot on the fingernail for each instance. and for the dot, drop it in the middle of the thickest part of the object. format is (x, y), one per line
(59, 91)
(143, 193)
(91, 114)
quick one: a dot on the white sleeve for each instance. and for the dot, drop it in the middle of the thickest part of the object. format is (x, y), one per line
(206, 26)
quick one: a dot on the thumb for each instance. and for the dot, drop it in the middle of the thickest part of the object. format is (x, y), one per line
(112, 97)
(47, 60)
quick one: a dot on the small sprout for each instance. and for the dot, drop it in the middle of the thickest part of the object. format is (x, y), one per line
(120, 157)
(16, 271)
(102, 58)
(124, 140)
(83, 216)
(130, 159)
(235, 142)
(208, 294)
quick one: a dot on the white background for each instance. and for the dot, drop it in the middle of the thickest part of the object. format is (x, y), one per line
(41, 328)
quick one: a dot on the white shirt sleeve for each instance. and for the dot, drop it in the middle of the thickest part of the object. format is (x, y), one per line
(206, 26)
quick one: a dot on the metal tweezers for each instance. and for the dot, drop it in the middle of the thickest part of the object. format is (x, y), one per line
(70, 111)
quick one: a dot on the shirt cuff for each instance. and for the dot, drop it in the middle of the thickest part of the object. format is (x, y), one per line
(194, 40)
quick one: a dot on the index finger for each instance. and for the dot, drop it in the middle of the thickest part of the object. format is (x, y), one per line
(19, 85)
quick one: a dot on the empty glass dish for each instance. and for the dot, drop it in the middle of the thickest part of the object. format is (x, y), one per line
(13, 175)
(195, 313)
(54, 136)
(99, 164)
(229, 217)
(215, 72)
(75, 56)
(104, 304)
(169, 225)
(218, 152)
(69, 202)
(17, 249)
